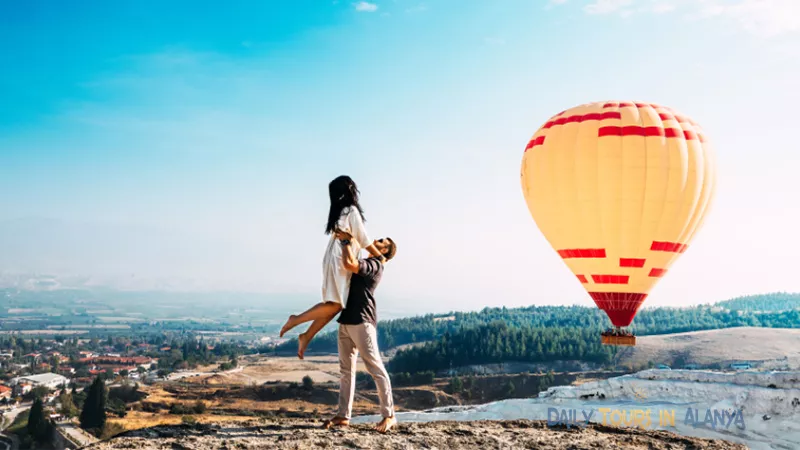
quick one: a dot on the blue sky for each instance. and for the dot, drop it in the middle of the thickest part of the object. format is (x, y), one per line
(226, 123)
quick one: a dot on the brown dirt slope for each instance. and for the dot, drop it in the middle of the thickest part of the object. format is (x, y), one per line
(306, 434)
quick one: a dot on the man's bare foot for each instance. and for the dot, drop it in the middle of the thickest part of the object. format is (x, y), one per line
(302, 344)
(291, 323)
(386, 424)
(336, 422)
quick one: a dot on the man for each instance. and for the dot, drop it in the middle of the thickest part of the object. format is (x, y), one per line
(357, 333)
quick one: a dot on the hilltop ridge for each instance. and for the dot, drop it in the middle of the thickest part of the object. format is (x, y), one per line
(307, 435)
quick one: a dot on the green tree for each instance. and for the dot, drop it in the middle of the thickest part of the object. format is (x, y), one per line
(93, 416)
(200, 407)
(117, 406)
(38, 427)
(38, 392)
(456, 385)
(68, 408)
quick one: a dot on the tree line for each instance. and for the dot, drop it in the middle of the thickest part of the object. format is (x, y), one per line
(770, 310)
(499, 342)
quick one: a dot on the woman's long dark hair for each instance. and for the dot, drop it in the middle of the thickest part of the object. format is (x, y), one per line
(343, 192)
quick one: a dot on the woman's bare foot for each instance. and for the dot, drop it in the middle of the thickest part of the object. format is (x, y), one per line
(336, 422)
(302, 344)
(386, 424)
(291, 323)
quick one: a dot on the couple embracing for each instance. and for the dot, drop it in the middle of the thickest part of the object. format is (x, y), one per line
(348, 287)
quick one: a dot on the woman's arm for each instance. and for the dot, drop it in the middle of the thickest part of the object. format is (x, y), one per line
(375, 252)
(357, 229)
(359, 232)
(342, 235)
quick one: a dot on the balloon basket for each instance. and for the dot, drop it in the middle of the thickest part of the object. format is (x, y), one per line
(618, 340)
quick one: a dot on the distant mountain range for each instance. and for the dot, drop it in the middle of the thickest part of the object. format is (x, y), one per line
(40, 253)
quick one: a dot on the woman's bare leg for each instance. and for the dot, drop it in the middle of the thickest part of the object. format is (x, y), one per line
(318, 311)
(316, 326)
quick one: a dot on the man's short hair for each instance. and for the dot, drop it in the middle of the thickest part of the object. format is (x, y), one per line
(391, 250)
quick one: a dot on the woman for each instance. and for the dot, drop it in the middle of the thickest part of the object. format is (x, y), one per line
(345, 215)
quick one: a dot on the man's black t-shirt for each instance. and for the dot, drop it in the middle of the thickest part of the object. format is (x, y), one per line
(361, 299)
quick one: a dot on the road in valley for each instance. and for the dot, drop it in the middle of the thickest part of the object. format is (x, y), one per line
(9, 415)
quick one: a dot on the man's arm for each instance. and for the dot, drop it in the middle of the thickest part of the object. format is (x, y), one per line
(349, 259)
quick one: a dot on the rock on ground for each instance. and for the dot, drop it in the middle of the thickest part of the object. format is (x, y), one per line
(306, 434)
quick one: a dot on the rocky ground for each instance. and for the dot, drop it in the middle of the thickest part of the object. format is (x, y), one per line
(307, 434)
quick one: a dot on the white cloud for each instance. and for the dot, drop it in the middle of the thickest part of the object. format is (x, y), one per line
(662, 7)
(606, 6)
(765, 18)
(366, 7)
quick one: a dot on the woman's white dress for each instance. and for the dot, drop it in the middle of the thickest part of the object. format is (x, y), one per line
(335, 278)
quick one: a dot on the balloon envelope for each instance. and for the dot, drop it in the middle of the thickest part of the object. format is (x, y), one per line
(619, 189)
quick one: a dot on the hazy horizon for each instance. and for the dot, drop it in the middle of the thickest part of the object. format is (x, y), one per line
(191, 147)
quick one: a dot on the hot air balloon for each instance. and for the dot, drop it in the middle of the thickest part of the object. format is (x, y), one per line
(619, 189)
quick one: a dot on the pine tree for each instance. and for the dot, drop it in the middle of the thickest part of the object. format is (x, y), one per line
(93, 416)
(37, 424)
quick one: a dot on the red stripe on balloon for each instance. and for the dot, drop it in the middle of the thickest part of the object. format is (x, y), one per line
(583, 253)
(657, 273)
(646, 132)
(629, 105)
(582, 278)
(610, 279)
(631, 262)
(674, 247)
(534, 142)
(579, 118)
